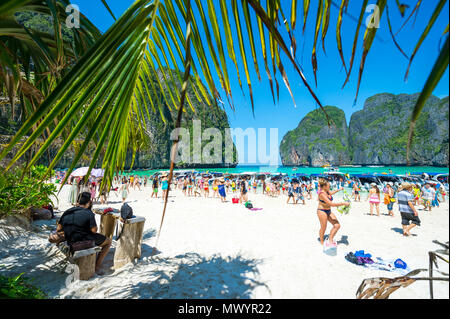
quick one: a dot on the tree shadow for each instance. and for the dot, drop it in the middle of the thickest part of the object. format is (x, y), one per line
(192, 276)
(148, 234)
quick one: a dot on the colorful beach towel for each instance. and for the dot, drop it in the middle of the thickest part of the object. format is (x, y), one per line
(361, 258)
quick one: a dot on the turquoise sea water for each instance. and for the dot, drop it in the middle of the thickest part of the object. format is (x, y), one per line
(313, 170)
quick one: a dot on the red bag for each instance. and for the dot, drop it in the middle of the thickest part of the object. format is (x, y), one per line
(235, 200)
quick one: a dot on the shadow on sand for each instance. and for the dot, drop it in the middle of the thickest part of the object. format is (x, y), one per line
(194, 276)
(400, 231)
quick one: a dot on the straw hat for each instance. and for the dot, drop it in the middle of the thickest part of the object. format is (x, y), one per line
(164, 174)
(373, 184)
(405, 185)
(222, 180)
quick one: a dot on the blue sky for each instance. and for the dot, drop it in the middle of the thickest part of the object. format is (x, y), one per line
(384, 71)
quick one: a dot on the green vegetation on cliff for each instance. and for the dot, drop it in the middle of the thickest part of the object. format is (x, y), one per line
(377, 134)
(315, 142)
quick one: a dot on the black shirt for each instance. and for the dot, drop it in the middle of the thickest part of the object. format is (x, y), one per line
(77, 223)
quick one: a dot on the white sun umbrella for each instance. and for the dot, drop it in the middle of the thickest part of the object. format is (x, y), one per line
(80, 172)
(97, 172)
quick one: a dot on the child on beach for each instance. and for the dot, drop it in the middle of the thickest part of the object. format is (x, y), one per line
(325, 214)
(442, 192)
(435, 202)
(299, 195)
(427, 196)
(290, 191)
(155, 188)
(206, 187)
(416, 193)
(243, 188)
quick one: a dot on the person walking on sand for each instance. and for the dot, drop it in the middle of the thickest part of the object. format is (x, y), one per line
(374, 199)
(324, 213)
(244, 192)
(427, 196)
(155, 186)
(389, 198)
(164, 185)
(356, 191)
(222, 192)
(410, 217)
(416, 193)
(125, 189)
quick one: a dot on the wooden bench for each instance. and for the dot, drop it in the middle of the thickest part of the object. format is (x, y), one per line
(128, 246)
(83, 259)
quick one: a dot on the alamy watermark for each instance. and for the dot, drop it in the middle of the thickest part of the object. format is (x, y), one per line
(373, 20)
(73, 16)
(214, 146)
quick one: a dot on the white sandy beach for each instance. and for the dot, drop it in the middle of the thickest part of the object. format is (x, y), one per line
(210, 249)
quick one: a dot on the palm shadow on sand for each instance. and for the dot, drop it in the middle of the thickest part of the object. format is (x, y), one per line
(194, 276)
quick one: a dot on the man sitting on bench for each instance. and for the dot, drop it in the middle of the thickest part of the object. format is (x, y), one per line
(78, 224)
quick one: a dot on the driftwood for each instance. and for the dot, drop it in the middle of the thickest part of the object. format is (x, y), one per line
(382, 288)
(129, 244)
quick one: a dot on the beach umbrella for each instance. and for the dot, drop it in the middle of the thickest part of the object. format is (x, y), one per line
(97, 172)
(79, 172)
(82, 171)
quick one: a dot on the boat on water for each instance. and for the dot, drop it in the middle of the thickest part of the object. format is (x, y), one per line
(329, 168)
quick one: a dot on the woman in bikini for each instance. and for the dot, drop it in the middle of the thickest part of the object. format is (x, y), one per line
(325, 197)
(215, 186)
(206, 187)
(374, 199)
(164, 185)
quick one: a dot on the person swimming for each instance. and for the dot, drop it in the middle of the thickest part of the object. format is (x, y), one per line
(324, 213)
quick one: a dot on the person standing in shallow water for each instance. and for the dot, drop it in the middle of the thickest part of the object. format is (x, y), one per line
(324, 213)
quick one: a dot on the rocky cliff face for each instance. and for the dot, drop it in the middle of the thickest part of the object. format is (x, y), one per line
(156, 150)
(316, 143)
(377, 135)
